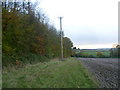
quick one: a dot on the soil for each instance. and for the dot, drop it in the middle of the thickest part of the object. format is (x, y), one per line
(105, 70)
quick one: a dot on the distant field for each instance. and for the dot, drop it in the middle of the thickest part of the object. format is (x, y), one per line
(89, 52)
(94, 53)
(54, 74)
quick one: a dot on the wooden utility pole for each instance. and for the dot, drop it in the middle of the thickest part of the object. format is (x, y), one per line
(61, 37)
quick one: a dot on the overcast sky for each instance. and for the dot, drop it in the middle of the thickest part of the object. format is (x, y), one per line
(88, 23)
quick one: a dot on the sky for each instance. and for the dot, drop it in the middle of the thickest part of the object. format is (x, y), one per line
(88, 23)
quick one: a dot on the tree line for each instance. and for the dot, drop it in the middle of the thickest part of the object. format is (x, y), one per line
(115, 52)
(111, 53)
(28, 36)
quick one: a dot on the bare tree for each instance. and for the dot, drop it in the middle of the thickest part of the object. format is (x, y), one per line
(2, 4)
(28, 6)
(15, 5)
(23, 5)
(5, 4)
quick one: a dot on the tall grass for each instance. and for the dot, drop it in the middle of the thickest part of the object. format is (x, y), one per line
(54, 74)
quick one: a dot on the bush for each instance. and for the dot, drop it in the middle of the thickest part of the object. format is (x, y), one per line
(100, 55)
(91, 56)
(30, 58)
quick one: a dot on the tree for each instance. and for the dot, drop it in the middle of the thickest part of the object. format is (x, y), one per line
(67, 46)
(118, 50)
(74, 48)
(28, 37)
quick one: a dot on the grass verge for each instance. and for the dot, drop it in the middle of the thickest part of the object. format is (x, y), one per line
(54, 74)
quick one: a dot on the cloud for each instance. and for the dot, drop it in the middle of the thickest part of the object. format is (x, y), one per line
(85, 21)
(93, 35)
(95, 46)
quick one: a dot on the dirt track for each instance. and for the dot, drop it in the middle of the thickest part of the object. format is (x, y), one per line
(104, 69)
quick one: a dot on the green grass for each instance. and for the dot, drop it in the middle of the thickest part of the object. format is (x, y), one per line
(54, 74)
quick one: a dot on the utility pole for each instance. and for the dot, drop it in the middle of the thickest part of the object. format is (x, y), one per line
(61, 33)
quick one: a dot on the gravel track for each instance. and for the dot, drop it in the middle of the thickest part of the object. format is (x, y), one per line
(105, 70)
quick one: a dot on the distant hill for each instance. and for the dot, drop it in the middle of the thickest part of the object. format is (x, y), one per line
(105, 48)
(98, 49)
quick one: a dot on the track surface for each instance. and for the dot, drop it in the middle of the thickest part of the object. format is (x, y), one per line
(105, 70)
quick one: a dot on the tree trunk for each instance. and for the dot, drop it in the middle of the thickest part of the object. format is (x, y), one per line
(2, 4)
(23, 5)
(28, 6)
(5, 4)
(15, 5)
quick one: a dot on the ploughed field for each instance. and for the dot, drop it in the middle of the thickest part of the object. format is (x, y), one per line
(105, 70)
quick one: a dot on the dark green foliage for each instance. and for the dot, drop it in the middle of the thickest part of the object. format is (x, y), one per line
(118, 52)
(27, 35)
(115, 52)
(74, 47)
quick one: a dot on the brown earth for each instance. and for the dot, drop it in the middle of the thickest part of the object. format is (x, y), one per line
(105, 70)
